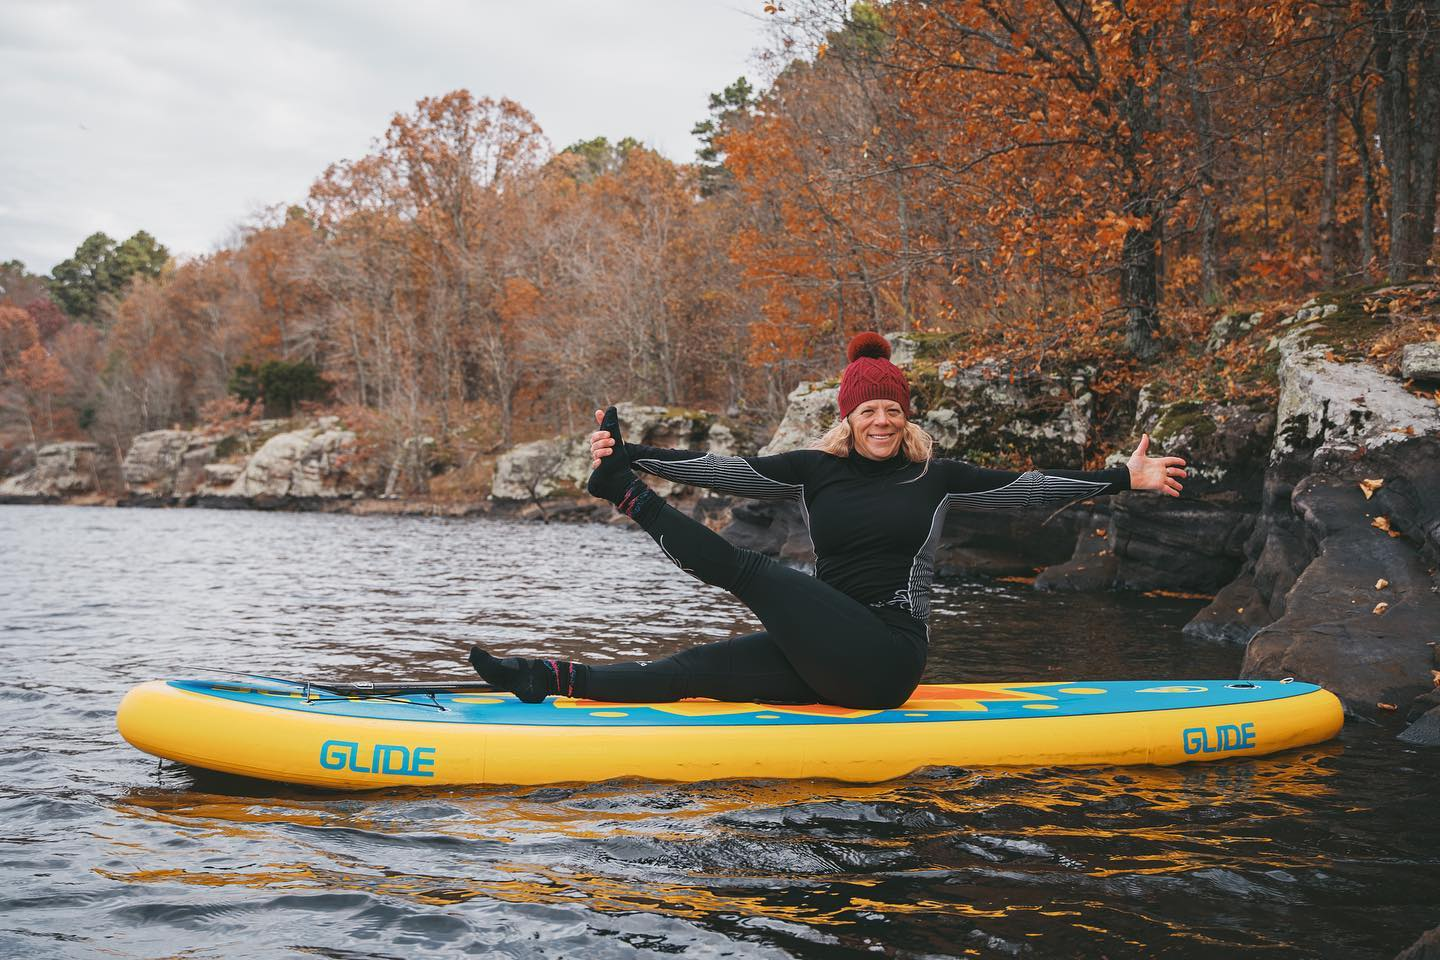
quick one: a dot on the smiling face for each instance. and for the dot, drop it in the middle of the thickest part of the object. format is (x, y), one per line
(878, 428)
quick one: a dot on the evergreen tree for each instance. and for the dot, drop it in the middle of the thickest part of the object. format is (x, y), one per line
(600, 155)
(100, 267)
(724, 106)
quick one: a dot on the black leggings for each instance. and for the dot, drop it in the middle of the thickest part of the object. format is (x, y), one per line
(819, 645)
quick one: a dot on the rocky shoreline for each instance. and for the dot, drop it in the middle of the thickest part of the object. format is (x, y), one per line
(1314, 522)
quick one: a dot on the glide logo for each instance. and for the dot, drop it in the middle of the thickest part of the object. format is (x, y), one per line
(382, 758)
(1225, 736)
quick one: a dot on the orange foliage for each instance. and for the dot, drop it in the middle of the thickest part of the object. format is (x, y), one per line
(31, 378)
(1056, 179)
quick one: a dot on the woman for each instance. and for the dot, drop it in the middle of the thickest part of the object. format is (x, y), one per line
(854, 635)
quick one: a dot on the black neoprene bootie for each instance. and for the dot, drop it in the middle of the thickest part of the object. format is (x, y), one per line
(613, 477)
(531, 680)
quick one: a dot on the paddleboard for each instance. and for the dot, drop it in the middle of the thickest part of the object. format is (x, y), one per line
(356, 737)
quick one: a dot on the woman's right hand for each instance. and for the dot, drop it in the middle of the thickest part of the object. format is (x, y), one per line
(601, 443)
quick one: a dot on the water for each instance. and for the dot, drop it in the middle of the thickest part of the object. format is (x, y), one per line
(1324, 852)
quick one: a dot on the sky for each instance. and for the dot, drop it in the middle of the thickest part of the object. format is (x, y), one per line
(186, 118)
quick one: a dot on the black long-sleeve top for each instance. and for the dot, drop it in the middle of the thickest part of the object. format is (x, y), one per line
(876, 524)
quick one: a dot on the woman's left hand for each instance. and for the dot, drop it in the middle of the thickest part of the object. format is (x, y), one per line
(1161, 474)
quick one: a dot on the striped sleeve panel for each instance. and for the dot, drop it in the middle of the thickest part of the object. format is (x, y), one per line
(1030, 491)
(732, 475)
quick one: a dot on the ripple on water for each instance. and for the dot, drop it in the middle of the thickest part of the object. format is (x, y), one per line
(1329, 849)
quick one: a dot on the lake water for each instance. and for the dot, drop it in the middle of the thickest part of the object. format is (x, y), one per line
(1332, 851)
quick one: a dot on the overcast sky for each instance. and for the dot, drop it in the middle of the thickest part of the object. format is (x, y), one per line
(185, 117)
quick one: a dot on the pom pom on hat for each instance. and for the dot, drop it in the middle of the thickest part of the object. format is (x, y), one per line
(867, 344)
(871, 375)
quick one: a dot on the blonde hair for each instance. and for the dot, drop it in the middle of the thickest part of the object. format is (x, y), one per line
(839, 441)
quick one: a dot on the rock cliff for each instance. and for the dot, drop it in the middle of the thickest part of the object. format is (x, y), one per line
(57, 471)
(558, 467)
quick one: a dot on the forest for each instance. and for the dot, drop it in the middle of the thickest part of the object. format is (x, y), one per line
(1050, 183)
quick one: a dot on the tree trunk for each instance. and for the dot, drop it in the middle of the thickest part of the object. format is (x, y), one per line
(1331, 172)
(1139, 280)
(1427, 135)
(1210, 290)
(1410, 145)
(1356, 115)
(1139, 293)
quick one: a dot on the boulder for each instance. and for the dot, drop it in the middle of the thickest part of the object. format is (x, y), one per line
(1094, 565)
(1335, 630)
(308, 463)
(904, 349)
(542, 468)
(59, 470)
(559, 466)
(1347, 422)
(217, 477)
(979, 408)
(1423, 732)
(1225, 445)
(1338, 409)
(991, 543)
(1310, 311)
(1425, 948)
(1236, 614)
(811, 410)
(775, 528)
(1170, 544)
(1420, 361)
(1409, 495)
(1231, 327)
(164, 464)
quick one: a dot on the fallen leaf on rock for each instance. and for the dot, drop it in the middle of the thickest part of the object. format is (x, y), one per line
(1435, 677)
(1386, 706)
(1099, 531)
(1381, 607)
(1381, 584)
(1383, 523)
(1368, 487)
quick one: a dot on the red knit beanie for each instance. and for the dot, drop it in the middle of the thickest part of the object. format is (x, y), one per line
(871, 375)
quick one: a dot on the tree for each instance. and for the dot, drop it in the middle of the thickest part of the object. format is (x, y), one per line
(31, 379)
(18, 286)
(279, 385)
(100, 267)
(725, 107)
(1407, 60)
(598, 156)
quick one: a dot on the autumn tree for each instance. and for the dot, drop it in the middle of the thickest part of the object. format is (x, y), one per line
(839, 235)
(18, 286)
(31, 379)
(437, 184)
(1060, 163)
